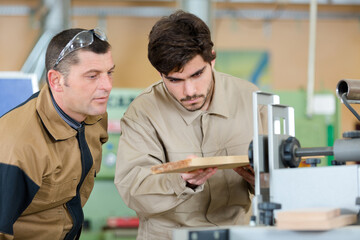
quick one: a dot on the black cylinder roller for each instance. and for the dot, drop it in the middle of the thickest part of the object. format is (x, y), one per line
(287, 152)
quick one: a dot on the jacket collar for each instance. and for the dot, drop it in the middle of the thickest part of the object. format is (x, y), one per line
(218, 105)
(53, 119)
(70, 121)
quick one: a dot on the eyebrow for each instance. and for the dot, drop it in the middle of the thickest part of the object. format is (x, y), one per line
(178, 79)
(95, 70)
(113, 67)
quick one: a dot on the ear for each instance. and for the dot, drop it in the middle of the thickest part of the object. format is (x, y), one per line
(55, 78)
(213, 64)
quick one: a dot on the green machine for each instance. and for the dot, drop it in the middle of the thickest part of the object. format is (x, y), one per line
(105, 203)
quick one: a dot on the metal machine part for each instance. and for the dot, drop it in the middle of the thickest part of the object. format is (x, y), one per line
(213, 234)
(287, 152)
(260, 146)
(348, 92)
(349, 87)
(343, 150)
(263, 165)
(267, 212)
(284, 152)
(315, 151)
(313, 161)
(347, 149)
(317, 187)
(265, 153)
(273, 233)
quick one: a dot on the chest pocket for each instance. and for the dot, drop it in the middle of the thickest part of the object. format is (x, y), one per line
(56, 192)
(52, 194)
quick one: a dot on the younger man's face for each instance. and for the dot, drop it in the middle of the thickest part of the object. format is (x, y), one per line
(193, 86)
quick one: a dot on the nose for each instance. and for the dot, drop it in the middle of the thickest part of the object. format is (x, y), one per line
(189, 88)
(106, 83)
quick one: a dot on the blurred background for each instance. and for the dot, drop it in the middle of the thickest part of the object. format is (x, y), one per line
(298, 49)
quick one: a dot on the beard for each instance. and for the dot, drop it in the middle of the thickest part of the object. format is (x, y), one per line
(199, 105)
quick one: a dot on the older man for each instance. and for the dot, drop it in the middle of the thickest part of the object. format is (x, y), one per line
(51, 144)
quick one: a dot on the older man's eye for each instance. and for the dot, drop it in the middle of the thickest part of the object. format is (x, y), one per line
(92, 76)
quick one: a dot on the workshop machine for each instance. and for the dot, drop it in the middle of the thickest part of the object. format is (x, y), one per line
(280, 184)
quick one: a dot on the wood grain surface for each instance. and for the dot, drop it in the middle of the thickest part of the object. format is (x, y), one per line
(313, 219)
(188, 165)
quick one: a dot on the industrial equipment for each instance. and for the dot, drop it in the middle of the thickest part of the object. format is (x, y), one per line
(280, 185)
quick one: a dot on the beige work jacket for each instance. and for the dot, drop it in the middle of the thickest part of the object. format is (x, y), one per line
(157, 129)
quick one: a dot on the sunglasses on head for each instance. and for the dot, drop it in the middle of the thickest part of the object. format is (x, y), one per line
(82, 39)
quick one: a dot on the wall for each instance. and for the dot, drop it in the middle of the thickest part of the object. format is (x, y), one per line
(337, 49)
(286, 39)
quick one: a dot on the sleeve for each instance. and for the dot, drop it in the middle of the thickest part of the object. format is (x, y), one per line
(17, 191)
(148, 194)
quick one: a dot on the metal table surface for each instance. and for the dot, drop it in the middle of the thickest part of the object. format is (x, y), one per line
(261, 232)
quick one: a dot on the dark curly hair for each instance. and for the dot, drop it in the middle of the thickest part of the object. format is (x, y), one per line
(178, 38)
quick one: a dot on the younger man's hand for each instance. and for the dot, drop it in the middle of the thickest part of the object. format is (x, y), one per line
(247, 173)
(198, 177)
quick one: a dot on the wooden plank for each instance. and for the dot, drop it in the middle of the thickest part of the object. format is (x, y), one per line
(323, 225)
(188, 165)
(313, 219)
(311, 214)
